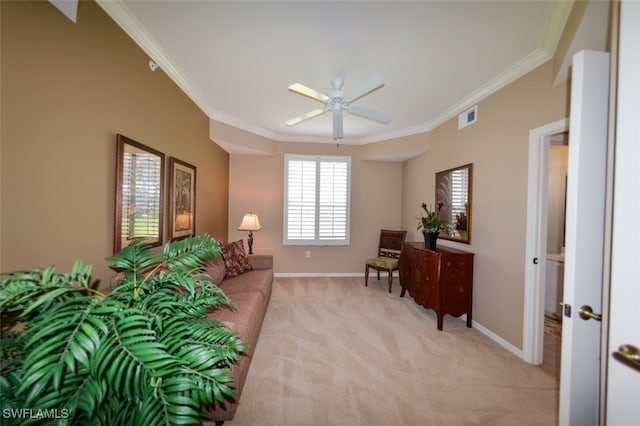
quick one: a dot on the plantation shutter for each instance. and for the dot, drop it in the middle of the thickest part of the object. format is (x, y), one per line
(301, 200)
(317, 200)
(332, 224)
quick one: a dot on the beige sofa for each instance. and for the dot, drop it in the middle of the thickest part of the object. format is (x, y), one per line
(250, 292)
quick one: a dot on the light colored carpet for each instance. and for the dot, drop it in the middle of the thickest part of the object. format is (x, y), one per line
(333, 352)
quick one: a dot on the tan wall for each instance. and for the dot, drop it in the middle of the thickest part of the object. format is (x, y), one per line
(497, 145)
(67, 90)
(257, 185)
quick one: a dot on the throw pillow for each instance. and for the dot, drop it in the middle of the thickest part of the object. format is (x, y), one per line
(216, 269)
(235, 258)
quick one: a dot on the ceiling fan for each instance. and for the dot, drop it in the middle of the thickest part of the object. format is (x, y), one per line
(337, 101)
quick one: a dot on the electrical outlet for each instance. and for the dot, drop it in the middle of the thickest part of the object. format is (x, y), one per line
(307, 254)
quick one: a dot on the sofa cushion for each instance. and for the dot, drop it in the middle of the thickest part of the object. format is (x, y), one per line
(235, 258)
(216, 270)
(246, 319)
(257, 280)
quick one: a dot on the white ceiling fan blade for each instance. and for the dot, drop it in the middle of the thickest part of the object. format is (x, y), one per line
(372, 83)
(337, 124)
(304, 117)
(309, 92)
(380, 117)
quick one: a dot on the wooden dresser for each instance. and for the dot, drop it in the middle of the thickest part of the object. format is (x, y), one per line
(441, 280)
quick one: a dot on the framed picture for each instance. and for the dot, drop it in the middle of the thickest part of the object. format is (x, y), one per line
(182, 199)
(139, 193)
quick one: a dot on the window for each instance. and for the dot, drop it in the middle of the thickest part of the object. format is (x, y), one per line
(316, 200)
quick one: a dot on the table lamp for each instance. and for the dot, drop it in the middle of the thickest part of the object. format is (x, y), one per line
(250, 222)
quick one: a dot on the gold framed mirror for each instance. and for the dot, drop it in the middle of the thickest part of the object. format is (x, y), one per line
(139, 193)
(453, 192)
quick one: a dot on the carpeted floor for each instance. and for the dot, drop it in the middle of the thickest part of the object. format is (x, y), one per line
(333, 352)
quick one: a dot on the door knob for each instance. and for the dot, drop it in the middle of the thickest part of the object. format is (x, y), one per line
(629, 355)
(586, 313)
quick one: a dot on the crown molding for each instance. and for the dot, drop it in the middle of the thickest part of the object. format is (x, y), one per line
(529, 63)
(132, 26)
(241, 124)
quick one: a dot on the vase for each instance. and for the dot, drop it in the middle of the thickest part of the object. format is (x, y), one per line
(430, 239)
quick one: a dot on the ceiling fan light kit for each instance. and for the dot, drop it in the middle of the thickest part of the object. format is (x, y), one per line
(337, 101)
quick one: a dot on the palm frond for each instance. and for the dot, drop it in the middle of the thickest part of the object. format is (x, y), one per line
(134, 257)
(60, 340)
(23, 293)
(207, 350)
(186, 296)
(190, 253)
(150, 411)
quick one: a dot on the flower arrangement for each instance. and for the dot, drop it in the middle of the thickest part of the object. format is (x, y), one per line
(431, 222)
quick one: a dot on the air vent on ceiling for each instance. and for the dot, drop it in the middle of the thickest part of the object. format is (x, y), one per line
(470, 116)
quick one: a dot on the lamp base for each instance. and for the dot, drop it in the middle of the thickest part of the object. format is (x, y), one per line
(250, 242)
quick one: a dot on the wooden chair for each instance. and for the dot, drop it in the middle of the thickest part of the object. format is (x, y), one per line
(388, 255)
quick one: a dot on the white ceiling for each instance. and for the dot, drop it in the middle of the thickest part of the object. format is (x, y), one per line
(235, 59)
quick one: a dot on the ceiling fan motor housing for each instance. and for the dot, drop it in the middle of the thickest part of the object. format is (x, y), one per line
(337, 82)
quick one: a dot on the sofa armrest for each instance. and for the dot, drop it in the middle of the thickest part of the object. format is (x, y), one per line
(261, 261)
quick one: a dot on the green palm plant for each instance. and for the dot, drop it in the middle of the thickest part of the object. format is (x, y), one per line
(143, 354)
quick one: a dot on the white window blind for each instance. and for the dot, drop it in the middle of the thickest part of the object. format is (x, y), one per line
(459, 190)
(141, 192)
(317, 200)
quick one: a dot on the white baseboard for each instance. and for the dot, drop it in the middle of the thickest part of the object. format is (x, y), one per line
(499, 340)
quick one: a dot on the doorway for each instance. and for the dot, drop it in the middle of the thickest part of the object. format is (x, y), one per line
(556, 201)
(540, 140)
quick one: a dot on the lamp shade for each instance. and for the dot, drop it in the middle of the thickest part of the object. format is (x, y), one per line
(250, 222)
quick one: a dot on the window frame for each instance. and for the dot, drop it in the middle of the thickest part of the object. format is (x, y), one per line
(317, 241)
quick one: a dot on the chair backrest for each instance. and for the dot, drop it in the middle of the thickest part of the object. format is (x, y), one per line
(391, 243)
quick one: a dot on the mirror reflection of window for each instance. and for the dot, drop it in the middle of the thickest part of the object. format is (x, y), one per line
(453, 197)
(459, 191)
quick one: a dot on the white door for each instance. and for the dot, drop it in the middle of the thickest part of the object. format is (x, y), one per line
(623, 378)
(585, 215)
